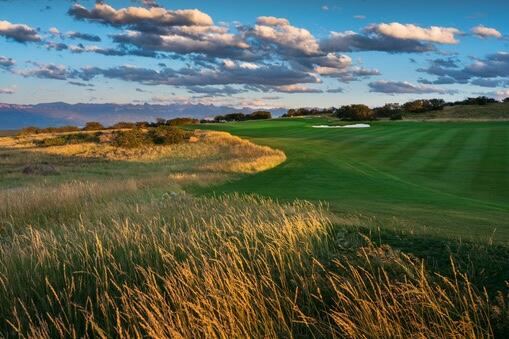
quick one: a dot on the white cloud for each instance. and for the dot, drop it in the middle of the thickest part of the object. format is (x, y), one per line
(296, 89)
(7, 91)
(18, 32)
(135, 15)
(54, 31)
(442, 35)
(279, 32)
(486, 32)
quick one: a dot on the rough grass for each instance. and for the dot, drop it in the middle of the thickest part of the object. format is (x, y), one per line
(127, 253)
(222, 267)
(228, 150)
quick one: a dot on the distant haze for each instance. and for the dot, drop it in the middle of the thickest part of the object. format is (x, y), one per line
(60, 113)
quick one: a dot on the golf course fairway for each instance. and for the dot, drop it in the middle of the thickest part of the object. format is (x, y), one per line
(444, 178)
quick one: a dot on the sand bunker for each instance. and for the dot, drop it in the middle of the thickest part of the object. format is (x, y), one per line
(345, 126)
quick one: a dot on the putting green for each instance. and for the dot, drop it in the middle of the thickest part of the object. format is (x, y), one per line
(447, 178)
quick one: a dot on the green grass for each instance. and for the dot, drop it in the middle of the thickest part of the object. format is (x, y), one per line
(438, 178)
(474, 112)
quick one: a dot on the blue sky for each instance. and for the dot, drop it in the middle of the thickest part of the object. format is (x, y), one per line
(256, 53)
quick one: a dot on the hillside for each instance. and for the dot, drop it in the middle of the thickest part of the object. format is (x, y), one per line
(496, 111)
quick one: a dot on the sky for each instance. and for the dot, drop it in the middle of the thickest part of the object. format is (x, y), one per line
(252, 53)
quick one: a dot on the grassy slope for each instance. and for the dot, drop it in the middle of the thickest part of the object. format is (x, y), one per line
(440, 178)
(474, 112)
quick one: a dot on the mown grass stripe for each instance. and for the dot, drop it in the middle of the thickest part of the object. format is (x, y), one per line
(491, 169)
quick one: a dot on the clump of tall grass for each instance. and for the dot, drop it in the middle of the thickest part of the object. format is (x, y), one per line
(229, 266)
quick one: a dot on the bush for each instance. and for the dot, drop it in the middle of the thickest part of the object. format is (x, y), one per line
(306, 111)
(160, 135)
(182, 121)
(388, 110)
(166, 135)
(123, 125)
(259, 115)
(68, 139)
(35, 130)
(396, 116)
(482, 100)
(93, 126)
(423, 105)
(28, 131)
(131, 139)
(142, 124)
(355, 113)
(506, 99)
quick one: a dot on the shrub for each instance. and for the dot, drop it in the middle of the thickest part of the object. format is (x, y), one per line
(35, 130)
(259, 115)
(68, 139)
(506, 99)
(355, 113)
(142, 124)
(131, 139)
(422, 105)
(165, 135)
(182, 121)
(28, 131)
(235, 117)
(93, 126)
(396, 116)
(123, 125)
(388, 110)
(307, 111)
(482, 100)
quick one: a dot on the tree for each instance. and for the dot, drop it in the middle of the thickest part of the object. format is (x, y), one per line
(123, 125)
(182, 121)
(506, 99)
(388, 110)
(258, 115)
(355, 113)
(93, 126)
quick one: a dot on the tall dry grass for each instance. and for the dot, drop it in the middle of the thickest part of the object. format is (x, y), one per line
(224, 267)
(216, 151)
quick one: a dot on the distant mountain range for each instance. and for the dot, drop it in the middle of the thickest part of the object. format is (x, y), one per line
(60, 113)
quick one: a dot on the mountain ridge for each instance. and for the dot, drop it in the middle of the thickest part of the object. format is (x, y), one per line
(16, 116)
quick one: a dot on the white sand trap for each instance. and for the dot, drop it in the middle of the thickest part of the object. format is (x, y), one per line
(345, 126)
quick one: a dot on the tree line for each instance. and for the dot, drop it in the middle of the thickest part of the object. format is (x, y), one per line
(394, 111)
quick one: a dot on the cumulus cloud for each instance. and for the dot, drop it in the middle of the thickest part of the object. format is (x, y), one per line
(54, 31)
(213, 41)
(401, 87)
(215, 91)
(6, 62)
(490, 82)
(18, 32)
(335, 90)
(296, 89)
(140, 17)
(7, 91)
(441, 35)
(289, 39)
(272, 75)
(392, 38)
(492, 66)
(371, 41)
(83, 36)
(486, 32)
(47, 71)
